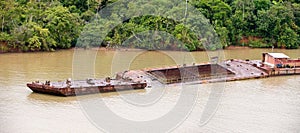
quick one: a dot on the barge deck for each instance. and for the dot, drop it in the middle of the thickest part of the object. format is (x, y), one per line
(82, 87)
(230, 70)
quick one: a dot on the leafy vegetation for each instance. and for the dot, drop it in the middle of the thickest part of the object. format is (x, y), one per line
(27, 25)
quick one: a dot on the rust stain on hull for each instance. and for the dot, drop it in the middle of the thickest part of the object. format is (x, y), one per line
(82, 90)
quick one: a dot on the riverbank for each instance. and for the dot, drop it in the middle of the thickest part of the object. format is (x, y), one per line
(122, 49)
(239, 47)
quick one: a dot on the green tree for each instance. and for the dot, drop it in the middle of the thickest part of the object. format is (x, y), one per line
(63, 25)
(278, 25)
(218, 12)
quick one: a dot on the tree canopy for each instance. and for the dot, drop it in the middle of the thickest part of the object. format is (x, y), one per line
(42, 25)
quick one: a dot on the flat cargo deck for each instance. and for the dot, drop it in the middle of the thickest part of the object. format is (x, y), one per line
(230, 70)
(81, 87)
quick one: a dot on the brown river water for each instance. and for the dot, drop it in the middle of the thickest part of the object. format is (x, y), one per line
(261, 105)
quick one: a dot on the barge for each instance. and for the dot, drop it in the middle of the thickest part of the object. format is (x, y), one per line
(272, 64)
(82, 87)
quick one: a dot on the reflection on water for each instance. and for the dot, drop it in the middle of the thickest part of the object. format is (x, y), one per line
(45, 98)
(264, 105)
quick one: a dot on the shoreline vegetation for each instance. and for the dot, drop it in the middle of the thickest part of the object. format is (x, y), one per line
(34, 26)
(129, 49)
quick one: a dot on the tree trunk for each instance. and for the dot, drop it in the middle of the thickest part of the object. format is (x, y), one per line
(2, 23)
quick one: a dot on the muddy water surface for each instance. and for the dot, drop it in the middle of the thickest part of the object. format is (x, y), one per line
(263, 105)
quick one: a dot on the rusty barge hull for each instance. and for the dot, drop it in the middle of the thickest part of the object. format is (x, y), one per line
(226, 71)
(184, 74)
(82, 90)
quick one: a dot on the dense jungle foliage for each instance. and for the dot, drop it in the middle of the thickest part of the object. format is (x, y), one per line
(48, 25)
